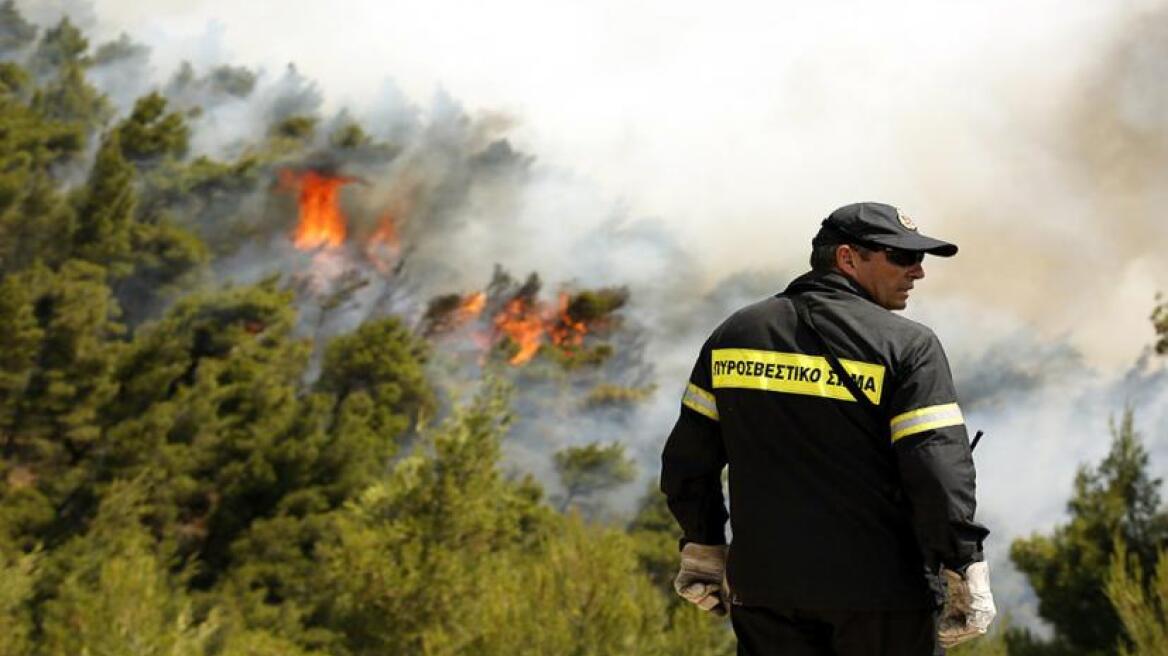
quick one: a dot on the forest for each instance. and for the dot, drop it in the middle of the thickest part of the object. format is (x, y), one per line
(327, 456)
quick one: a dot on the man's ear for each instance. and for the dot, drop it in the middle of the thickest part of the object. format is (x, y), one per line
(843, 259)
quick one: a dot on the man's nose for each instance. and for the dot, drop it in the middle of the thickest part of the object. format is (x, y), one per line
(917, 271)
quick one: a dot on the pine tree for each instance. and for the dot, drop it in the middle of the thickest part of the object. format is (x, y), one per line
(62, 364)
(16, 33)
(1141, 603)
(35, 221)
(70, 98)
(207, 410)
(61, 45)
(1160, 324)
(376, 375)
(106, 211)
(17, 585)
(113, 592)
(1068, 569)
(149, 133)
(590, 470)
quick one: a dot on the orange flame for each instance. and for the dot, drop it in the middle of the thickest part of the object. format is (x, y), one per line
(386, 231)
(566, 331)
(523, 324)
(321, 223)
(526, 322)
(472, 306)
(384, 244)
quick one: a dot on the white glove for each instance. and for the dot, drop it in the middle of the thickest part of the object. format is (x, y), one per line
(969, 605)
(702, 575)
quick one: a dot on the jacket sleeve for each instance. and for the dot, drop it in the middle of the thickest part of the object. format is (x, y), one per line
(933, 455)
(692, 462)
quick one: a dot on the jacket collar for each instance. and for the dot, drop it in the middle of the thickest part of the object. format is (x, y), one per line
(830, 281)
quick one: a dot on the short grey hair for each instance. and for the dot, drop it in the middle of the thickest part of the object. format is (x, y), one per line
(823, 256)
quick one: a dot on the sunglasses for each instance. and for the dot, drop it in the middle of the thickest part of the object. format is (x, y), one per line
(899, 257)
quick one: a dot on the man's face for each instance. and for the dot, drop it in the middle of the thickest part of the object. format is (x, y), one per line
(886, 282)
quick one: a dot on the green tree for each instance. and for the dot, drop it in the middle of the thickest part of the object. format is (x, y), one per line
(106, 209)
(1141, 603)
(208, 195)
(349, 135)
(35, 221)
(121, 49)
(235, 81)
(1068, 569)
(416, 547)
(58, 377)
(371, 393)
(1141, 600)
(69, 97)
(149, 133)
(60, 59)
(14, 80)
(209, 412)
(17, 585)
(16, 33)
(1160, 323)
(586, 471)
(655, 533)
(377, 377)
(463, 560)
(297, 127)
(165, 260)
(61, 46)
(114, 592)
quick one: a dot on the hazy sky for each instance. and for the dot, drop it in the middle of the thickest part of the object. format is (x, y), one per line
(1031, 133)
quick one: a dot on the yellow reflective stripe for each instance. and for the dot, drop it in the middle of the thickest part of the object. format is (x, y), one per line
(700, 401)
(793, 373)
(923, 419)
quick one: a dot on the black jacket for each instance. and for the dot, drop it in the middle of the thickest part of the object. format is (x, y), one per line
(833, 504)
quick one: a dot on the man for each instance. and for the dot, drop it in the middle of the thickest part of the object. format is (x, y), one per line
(851, 501)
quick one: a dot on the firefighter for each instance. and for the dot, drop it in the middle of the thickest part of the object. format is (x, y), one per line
(850, 474)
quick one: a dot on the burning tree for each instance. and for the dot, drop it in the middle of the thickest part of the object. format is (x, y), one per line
(191, 457)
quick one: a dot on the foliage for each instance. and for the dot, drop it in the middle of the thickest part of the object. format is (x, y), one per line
(17, 578)
(149, 133)
(295, 127)
(587, 470)
(1160, 323)
(106, 209)
(592, 305)
(377, 378)
(69, 97)
(16, 33)
(468, 562)
(349, 135)
(232, 80)
(61, 46)
(609, 395)
(118, 50)
(1068, 569)
(1142, 604)
(115, 593)
(183, 472)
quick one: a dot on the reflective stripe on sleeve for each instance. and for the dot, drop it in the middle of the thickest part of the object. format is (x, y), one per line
(700, 401)
(923, 419)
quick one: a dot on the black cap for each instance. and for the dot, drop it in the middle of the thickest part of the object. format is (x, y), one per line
(880, 224)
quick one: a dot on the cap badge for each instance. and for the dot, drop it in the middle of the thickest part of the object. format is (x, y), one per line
(905, 221)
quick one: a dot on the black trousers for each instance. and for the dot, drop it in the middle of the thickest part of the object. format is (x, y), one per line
(767, 631)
